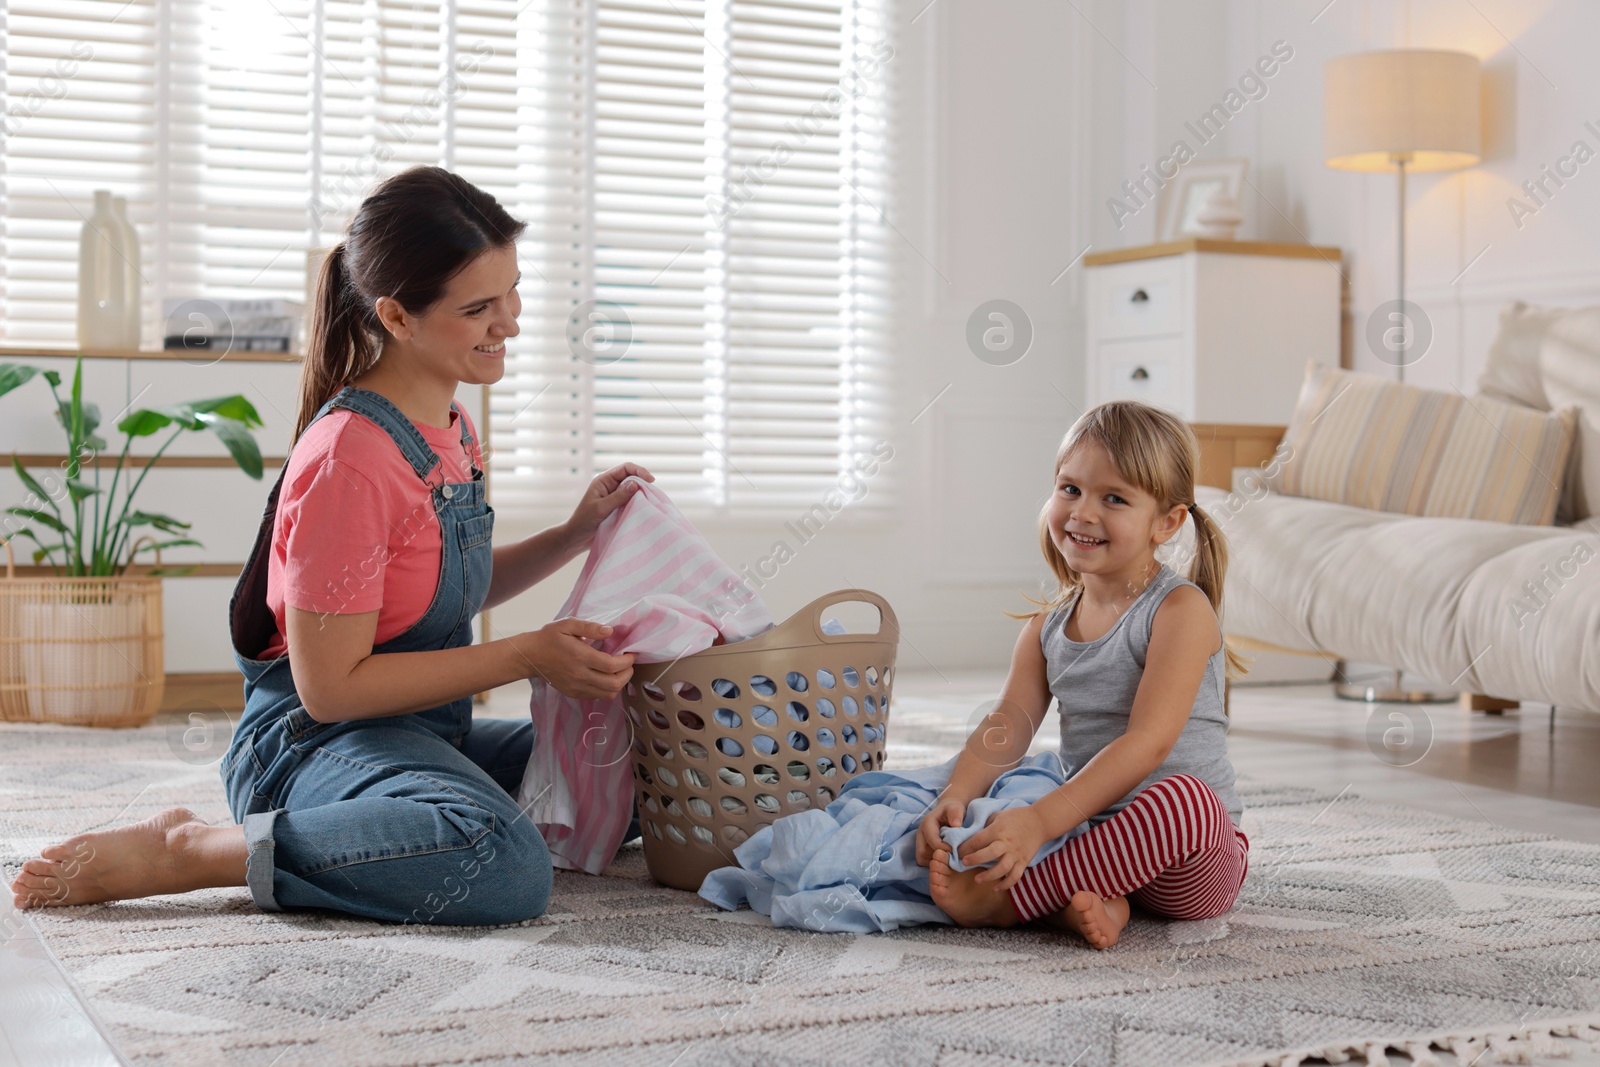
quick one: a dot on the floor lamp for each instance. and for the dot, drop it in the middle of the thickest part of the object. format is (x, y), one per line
(1402, 110)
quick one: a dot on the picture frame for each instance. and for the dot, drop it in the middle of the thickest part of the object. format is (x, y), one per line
(1188, 191)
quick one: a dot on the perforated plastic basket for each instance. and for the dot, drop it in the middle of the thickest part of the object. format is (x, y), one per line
(730, 739)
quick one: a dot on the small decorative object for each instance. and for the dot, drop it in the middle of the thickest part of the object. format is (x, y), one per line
(1219, 216)
(102, 278)
(268, 325)
(133, 286)
(1185, 196)
(85, 646)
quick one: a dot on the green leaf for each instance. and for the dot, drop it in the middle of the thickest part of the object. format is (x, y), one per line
(41, 553)
(91, 416)
(40, 516)
(15, 374)
(96, 442)
(143, 423)
(168, 572)
(238, 441)
(76, 427)
(80, 490)
(53, 377)
(165, 523)
(169, 544)
(234, 407)
(28, 480)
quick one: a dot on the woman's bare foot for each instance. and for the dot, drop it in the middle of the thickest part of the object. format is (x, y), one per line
(172, 852)
(1099, 921)
(964, 899)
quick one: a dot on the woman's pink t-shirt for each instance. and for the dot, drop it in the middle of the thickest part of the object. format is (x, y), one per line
(355, 529)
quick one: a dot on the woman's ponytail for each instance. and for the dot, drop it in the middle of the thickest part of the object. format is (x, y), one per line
(339, 346)
(1209, 568)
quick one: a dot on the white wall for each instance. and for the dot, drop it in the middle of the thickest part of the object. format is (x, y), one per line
(1466, 254)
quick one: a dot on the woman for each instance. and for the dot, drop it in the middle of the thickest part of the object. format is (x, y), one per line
(359, 781)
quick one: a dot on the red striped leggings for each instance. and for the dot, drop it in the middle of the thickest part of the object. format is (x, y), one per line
(1173, 851)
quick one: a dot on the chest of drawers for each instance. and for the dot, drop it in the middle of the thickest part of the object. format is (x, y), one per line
(1215, 331)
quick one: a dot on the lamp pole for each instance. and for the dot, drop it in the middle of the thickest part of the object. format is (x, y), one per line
(1400, 268)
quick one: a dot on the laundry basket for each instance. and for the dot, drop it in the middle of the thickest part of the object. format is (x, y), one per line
(727, 740)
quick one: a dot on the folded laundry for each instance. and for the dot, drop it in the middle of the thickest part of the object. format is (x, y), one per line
(653, 578)
(852, 866)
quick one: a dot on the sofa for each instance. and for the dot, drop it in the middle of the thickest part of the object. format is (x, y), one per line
(1502, 611)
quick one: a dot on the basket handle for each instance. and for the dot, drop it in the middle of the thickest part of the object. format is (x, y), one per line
(11, 562)
(133, 550)
(888, 624)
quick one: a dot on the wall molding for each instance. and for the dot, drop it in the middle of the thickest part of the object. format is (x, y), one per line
(1563, 288)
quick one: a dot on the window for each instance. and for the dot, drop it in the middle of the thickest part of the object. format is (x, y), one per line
(706, 268)
(715, 257)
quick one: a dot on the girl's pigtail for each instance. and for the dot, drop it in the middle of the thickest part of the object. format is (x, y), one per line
(1209, 569)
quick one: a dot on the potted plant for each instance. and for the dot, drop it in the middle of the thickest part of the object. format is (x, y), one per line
(86, 646)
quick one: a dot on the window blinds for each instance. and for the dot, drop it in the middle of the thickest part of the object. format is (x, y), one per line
(707, 184)
(706, 266)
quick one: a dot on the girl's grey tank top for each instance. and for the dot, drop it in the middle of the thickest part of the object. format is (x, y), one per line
(1094, 684)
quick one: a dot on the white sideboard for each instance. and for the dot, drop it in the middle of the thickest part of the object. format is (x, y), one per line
(1215, 331)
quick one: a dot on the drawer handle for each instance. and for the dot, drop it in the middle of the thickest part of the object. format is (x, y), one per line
(1139, 296)
(1139, 374)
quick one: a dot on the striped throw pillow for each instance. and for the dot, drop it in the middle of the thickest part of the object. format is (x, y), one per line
(1363, 440)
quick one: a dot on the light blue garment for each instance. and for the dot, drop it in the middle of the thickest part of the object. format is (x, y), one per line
(852, 866)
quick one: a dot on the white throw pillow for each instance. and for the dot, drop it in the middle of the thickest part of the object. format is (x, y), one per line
(1569, 362)
(1511, 372)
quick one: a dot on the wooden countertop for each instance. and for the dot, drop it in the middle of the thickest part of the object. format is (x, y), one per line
(1207, 244)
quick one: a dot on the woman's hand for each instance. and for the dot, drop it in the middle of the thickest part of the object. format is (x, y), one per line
(563, 657)
(601, 499)
(947, 811)
(1012, 838)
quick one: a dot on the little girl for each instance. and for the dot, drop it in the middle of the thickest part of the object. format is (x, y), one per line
(1144, 749)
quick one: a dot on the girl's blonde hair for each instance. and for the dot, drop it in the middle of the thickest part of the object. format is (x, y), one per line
(1158, 453)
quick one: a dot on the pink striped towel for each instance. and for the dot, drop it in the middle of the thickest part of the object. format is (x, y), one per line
(653, 578)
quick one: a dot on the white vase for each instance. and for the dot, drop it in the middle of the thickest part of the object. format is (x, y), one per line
(82, 644)
(133, 286)
(102, 277)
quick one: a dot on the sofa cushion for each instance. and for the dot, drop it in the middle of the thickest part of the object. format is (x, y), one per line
(1363, 440)
(1511, 370)
(1569, 360)
(1506, 610)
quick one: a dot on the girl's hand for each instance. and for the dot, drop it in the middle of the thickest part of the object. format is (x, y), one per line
(949, 811)
(1012, 838)
(601, 499)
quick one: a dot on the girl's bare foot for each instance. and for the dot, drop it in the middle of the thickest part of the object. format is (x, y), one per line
(1099, 921)
(967, 901)
(172, 852)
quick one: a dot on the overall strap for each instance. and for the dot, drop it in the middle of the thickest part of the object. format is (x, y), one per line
(382, 411)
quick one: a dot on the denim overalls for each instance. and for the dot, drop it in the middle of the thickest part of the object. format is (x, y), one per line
(407, 817)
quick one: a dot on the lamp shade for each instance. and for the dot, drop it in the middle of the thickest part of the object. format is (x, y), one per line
(1420, 106)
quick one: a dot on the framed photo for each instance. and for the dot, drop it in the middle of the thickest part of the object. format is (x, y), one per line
(1187, 193)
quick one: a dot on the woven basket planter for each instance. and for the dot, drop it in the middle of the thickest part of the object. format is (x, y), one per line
(83, 651)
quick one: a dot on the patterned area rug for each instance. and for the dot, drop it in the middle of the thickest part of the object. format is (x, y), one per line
(1361, 928)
